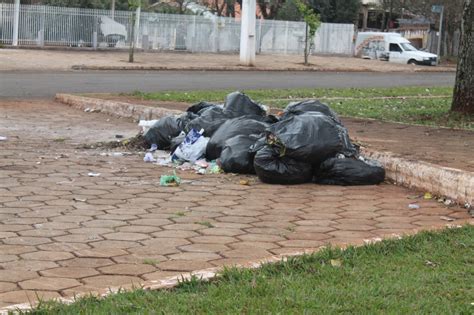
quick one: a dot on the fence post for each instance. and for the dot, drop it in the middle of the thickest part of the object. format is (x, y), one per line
(41, 31)
(193, 49)
(137, 25)
(286, 37)
(94, 33)
(16, 22)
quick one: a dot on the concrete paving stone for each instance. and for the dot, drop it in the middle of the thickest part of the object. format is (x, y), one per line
(69, 272)
(152, 222)
(354, 227)
(7, 210)
(114, 244)
(204, 256)
(107, 281)
(126, 236)
(273, 224)
(100, 252)
(184, 226)
(463, 214)
(27, 240)
(174, 234)
(249, 253)
(307, 236)
(16, 275)
(219, 203)
(204, 248)
(391, 232)
(221, 231)
(22, 296)
(86, 262)
(250, 245)
(47, 255)
(92, 192)
(359, 214)
(28, 221)
(243, 213)
(104, 223)
(7, 287)
(71, 218)
(213, 239)
(184, 265)
(127, 269)
(41, 233)
(58, 225)
(160, 275)
(319, 216)
(351, 235)
(78, 238)
(138, 229)
(168, 241)
(120, 217)
(140, 259)
(250, 237)
(29, 265)
(14, 228)
(395, 225)
(7, 258)
(49, 284)
(236, 219)
(303, 243)
(231, 225)
(7, 235)
(229, 262)
(293, 250)
(67, 247)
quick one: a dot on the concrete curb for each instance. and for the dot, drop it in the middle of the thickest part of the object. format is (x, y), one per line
(114, 108)
(244, 68)
(455, 184)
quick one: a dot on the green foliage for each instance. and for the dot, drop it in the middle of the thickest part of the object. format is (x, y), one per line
(428, 273)
(134, 4)
(337, 11)
(289, 12)
(309, 16)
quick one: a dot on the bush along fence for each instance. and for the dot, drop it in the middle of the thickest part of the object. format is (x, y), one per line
(36, 25)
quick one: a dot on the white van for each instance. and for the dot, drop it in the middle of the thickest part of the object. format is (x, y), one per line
(392, 47)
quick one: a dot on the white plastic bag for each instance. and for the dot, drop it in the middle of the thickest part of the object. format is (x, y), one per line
(192, 148)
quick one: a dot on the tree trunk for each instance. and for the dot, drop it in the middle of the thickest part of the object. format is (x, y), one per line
(306, 50)
(463, 100)
(132, 39)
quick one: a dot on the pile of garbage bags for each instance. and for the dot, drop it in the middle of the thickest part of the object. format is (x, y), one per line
(307, 142)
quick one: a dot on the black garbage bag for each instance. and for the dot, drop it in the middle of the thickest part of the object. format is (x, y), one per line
(275, 169)
(238, 104)
(198, 107)
(348, 171)
(176, 141)
(298, 108)
(166, 128)
(210, 120)
(244, 125)
(236, 156)
(310, 138)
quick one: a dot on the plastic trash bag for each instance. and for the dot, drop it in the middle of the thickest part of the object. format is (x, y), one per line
(275, 169)
(233, 127)
(238, 104)
(349, 171)
(176, 141)
(236, 156)
(298, 108)
(166, 128)
(310, 138)
(210, 120)
(192, 148)
(198, 107)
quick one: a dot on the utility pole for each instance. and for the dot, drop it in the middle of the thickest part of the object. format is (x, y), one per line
(16, 22)
(247, 32)
(439, 9)
(112, 9)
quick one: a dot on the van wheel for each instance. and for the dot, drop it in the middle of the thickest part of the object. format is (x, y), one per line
(412, 62)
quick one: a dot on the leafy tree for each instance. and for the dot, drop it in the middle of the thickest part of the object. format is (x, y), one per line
(337, 11)
(313, 22)
(463, 100)
(289, 12)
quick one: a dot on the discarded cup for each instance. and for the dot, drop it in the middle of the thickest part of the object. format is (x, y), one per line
(149, 157)
(413, 206)
(91, 174)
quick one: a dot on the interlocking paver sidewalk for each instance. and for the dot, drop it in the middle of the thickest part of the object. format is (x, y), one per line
(63, 232)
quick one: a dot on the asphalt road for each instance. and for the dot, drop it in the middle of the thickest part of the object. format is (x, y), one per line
(47, 84)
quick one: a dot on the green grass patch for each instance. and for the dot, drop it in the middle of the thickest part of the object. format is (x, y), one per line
(266, 94)
(429, 273)
(411, 105)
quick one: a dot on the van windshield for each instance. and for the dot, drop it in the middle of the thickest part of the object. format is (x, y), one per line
(408, 47)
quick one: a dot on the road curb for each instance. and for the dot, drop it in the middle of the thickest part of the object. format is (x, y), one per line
(244, 68)
(455, 184)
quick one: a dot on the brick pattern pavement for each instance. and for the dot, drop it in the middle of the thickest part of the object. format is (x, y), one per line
(63, 232)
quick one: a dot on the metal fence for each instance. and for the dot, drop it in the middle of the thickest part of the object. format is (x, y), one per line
(76, 27)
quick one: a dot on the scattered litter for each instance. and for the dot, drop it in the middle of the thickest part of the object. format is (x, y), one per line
(153, 147)
(119, 136)
(87, 110)
(192, 148)
(414, 197)
(428, 196)
(413, 206)
(244, 182)
(91, 174)
(336, 263)
(79, 199)
(430, 264)
(202, 163)
(38, 163)
(170, 180)
(201, 171)
(448, 202)
(149, 157)
(446, 218)
(2, 138)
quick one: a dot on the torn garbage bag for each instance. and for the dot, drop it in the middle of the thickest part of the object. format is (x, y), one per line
(176, 141)
(236, 156)
(275, 169)
(298, 108)
(197, 108)
(238, 104)
(349, 171)
(192, 148)
(310, 138)
(233, 127)
(166, 128)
